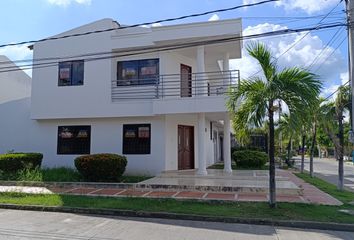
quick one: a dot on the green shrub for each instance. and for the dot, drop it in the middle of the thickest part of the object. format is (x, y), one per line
(101, 167)
(13, 162)
(249, 159)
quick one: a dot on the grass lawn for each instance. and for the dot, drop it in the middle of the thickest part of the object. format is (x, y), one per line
(285, 211)
(60, 174)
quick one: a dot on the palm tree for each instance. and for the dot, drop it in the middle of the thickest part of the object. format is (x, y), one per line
(342, 102)
(317, 115)
(290, 127)
(256, 98)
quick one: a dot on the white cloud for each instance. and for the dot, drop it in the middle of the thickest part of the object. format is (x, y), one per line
(344, 77)
(301, 54)
(64, 3)
(214, 17)
(308, 6)
(15, 53)
(156, 25)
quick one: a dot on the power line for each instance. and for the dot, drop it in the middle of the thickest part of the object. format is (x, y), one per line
(333, 39)
(336, 90)
(294, 44)
(140, 24)
(170, 47)
(329, 55)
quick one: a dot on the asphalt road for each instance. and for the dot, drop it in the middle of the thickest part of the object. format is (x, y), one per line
(15, 224)
(327, 169)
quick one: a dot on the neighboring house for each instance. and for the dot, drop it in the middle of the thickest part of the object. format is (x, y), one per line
(15, 91)
(164, 110)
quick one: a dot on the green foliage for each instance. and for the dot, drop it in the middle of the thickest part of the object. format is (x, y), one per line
(61, 174)
(13, 162)
(28, 174)
(101, 167)
(295, 87)
(249, 159)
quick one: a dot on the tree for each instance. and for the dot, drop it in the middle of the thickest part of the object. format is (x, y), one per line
(254, 99)
(342, 102)
(317, 116)
(290, 127)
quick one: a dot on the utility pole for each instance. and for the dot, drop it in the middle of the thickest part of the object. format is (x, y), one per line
(349, 6)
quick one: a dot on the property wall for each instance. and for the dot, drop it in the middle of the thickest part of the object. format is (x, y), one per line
(15, 124)
(106, 136)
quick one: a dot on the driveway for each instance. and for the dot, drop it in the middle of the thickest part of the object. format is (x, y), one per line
(327, 169)
(16, 224)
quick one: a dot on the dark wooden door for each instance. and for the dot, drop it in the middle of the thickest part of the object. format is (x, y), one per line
(185, 147)
(186, 81)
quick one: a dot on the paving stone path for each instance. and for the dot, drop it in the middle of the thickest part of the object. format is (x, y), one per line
(310, 194)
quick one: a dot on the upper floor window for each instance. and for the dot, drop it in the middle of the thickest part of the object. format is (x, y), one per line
(71, 73)
(137, 72)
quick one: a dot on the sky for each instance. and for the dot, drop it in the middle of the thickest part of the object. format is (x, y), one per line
(22, 20)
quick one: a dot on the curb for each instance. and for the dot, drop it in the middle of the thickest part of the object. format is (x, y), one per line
(190, 217)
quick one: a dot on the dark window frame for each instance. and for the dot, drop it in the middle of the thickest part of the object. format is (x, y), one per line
(138, 79)
(136, 144)
(74, 80)
(78, 148)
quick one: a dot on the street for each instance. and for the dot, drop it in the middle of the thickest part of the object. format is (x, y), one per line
(327, 169)
(15, 224)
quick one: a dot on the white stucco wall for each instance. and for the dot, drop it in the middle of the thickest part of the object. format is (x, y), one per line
(106, 137)
(15, 124)
(93, 98)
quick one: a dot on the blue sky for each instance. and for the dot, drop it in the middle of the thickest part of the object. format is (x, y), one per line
(29, 20)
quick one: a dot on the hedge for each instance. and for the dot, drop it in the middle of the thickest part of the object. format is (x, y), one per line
(249, 158)
(101, 167)
(13, 162)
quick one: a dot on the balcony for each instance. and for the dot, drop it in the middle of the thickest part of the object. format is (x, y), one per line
(175, 86)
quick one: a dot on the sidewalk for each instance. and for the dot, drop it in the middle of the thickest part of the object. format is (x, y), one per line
(310, 194)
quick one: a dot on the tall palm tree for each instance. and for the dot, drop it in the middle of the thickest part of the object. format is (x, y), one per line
(256, 98)
(317, 115)
(342, 102)
(290, 127)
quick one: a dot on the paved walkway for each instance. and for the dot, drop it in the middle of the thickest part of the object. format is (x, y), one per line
(310, 194)
(16, 225)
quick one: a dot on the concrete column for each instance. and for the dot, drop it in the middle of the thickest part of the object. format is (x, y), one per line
(226, 67)
(201, 82)
(201, 145)
(227, 144)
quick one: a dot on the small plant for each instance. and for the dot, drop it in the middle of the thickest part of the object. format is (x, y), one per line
(101, 167)
(13, 162)
(249, 159)
(28, 174)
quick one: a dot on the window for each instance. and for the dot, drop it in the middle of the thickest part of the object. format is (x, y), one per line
(71, 73)
(137, 72)
(74, 139)
(136, 138)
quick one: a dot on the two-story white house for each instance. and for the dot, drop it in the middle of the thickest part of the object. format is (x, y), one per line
(153, 94)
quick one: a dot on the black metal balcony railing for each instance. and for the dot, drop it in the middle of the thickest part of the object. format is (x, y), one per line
(175, 85)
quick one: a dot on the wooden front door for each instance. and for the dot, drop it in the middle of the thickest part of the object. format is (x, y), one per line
(185, 147)
(186, 81)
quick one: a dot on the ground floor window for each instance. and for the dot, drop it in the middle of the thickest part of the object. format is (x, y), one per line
(136, 138)
(74, 139)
